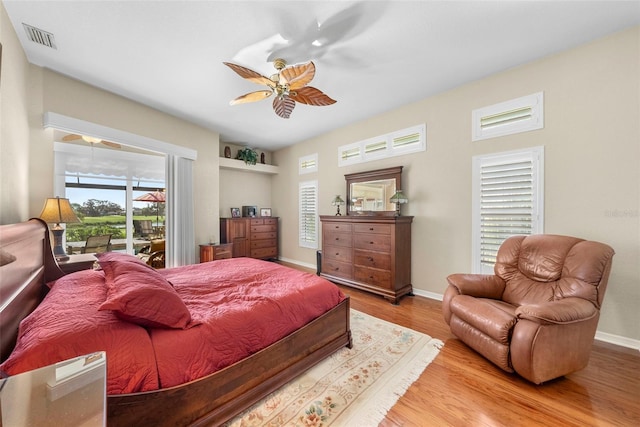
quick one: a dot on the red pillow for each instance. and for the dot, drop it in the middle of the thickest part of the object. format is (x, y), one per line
(141, 295)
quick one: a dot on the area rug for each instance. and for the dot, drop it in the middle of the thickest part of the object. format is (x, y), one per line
(353, 387)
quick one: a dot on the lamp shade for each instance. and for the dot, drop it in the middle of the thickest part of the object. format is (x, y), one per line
(398, 198)
(57, 210)
(337, 201)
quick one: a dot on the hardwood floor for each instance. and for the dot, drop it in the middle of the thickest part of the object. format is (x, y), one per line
(461, 388)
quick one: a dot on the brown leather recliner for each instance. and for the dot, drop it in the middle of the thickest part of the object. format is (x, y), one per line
(538, 314)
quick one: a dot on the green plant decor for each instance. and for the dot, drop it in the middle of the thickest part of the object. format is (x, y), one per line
(249, 155)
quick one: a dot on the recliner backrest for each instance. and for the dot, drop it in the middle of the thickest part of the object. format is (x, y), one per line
(545, 267)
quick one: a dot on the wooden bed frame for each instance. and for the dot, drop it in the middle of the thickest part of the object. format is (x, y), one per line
(27, 263)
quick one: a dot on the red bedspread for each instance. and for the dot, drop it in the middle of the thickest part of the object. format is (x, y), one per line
(238, 307)
(244, 305)
(68, 324)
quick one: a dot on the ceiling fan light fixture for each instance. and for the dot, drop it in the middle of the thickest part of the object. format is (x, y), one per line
(91, 139)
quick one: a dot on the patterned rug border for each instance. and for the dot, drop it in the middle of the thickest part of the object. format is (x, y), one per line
(353, 387)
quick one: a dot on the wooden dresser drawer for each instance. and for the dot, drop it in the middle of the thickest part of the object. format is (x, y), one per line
(264, 252)
(214, 252)
(264, 243)
(223, 251)
(265, 235)
(372, 242)
(372, 228)
(336, 238)
(371, 276)
(337, 268)
(337, 226)
(338, 253)
(378, 260)
(264, 228)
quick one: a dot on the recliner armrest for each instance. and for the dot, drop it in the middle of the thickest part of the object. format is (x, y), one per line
(567, 310)
(477, 285)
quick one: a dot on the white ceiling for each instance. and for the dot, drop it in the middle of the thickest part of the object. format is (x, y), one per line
(375, 56)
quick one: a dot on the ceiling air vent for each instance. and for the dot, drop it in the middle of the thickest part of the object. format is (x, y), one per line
(39, 36)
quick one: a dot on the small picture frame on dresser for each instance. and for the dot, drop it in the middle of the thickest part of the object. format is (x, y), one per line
(235, 213)
(249, 211)
(265, 212)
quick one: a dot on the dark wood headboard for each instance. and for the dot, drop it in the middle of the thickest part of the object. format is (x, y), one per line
(26, 264)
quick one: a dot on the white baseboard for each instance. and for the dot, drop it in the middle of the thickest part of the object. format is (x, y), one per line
(300, 263)
(600, 336)
(618, 340)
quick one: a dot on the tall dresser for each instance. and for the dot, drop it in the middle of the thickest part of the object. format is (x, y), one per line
(371, 253)
(251, 237)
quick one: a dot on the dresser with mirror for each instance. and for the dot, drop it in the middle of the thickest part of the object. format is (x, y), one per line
(369, 248)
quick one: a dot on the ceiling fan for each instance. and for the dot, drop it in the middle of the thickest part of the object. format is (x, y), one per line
(289, 85)
(91, 140)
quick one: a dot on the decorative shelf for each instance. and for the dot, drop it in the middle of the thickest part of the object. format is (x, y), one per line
(234, 164)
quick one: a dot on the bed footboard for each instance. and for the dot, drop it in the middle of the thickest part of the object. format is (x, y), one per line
(216, 398)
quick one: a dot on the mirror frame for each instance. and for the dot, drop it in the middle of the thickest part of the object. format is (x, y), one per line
(376, 175)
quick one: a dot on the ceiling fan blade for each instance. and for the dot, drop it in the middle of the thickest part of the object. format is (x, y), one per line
(250, 75)
(71, 137)
(251, 97)
(311, 96)
(283, 106)
(298, 75)
(111, 144)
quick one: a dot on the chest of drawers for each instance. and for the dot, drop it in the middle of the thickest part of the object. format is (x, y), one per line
(251, 237)
(372, 253)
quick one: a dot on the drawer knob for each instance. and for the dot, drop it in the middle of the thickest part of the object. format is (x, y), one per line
(371, 243)
(337, 238)
(337, 268)
(337, 253)
(371, 277)
(370, 228)
(371, 259)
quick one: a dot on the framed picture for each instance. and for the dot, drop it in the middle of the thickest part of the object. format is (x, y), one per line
(235, 212)
(250, 211)
(265, 211)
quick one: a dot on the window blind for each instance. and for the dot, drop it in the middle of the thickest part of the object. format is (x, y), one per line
(308, 164)
(508, 199)
(308, 214)
(507, 118)
(506, 206)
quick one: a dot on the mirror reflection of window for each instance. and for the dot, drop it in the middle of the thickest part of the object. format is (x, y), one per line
(372, 195)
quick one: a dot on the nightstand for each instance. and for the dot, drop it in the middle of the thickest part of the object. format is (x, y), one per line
(211, 252)
(77, 263)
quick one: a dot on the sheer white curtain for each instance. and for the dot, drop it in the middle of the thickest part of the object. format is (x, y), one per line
(180, 232)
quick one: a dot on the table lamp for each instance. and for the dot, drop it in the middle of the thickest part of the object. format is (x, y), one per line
(399, 199)
(337, 201)
(58, 211)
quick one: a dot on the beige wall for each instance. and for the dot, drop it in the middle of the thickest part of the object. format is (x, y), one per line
(242, 188)
(592, 163)
(14, 129)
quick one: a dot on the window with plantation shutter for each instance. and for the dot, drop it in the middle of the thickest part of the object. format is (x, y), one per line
(507, 200)
(308, 164)
(404, 141)
(509, 117)
(308, 214)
